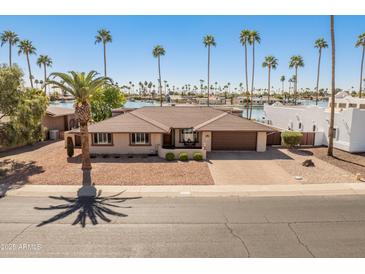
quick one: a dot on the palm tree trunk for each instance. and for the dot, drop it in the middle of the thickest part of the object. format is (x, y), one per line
(159, 80)
(296, 86)
(333, 87)
(86, 163)
(45, 78)
(253, 76)
(10, 54)
(246, 74)
(268, 88)
(318, 70)
(208, 73)
(104, 59)
(362, 65)
(30, 72)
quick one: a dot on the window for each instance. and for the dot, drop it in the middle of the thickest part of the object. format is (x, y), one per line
(342, 105)
(102, 138)
(140, 138)
(362, 106)
(352, 105)
(187, 135)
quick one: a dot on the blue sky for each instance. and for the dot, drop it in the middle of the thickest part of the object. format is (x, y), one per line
(69, 41)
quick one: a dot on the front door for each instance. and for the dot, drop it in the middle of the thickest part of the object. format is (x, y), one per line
(167, 140)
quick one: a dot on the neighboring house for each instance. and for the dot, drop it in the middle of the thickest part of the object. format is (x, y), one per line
(59, 118)
(349, 121)
(158, 130)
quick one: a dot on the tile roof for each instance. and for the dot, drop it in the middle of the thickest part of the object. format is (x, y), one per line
(162, 119)
(59, 111)
(124, 123)
(179, 117)
(233, 123)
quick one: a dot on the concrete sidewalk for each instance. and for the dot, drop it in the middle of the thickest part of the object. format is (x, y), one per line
(199, 191)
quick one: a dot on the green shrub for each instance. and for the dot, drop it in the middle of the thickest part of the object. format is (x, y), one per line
(70, 147)
(197, 156)
(183, 156)
(170, 156)
(291, 138)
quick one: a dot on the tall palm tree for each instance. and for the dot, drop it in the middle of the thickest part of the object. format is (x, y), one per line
(319, 44)
(45, 61)
(103, 36)
(270, 62)
(26, 47)
(333, 87)
(253, 39)
(282, 79)
(361, 43)
(209, 41)
(244, 39)
(157, 52)
(201, 85)
(82, 86)
(296, 62)
(12, 39)
(290, 83)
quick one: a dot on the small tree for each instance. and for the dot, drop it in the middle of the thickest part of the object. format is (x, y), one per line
(291, 138)
(70, 147)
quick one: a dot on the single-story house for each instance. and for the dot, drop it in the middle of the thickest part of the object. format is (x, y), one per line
(158, 130)
(59, 118)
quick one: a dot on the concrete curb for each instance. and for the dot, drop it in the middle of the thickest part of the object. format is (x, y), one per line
(199, 191)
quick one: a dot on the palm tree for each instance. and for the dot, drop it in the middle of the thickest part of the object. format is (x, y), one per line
(253, 38)
(209, 41)
(361, 43)
(319, 44)
(282, 79)
(26, 47)
(290, 82)
(296, 62)
(12, 39)
(82, 86)
(201, 85)
(46, 61)
(157, 52)
(104, 37)
(333, 87)
(244, 39)
(270, 62)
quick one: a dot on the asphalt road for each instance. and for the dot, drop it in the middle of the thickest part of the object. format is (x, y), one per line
(331, 226)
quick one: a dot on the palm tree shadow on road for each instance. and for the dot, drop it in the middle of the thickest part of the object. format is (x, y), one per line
(87, 208)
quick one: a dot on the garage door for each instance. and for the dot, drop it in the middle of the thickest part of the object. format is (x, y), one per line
(223, 140)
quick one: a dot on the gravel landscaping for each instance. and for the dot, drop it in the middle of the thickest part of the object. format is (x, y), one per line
(47, 163)
(323, 172)
(354, 163)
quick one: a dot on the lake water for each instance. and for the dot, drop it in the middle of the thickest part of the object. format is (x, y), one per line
(257, 112)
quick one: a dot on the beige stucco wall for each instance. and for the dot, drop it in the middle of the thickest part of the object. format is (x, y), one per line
(121, 145)
(261, 142)
(206, 140)
(54, 122)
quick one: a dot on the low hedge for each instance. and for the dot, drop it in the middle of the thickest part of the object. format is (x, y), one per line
(170, 156)
(291, 138)
(197, 156)
(183, 156)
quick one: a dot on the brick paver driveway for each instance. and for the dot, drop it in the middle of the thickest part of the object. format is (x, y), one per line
(248, 167)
